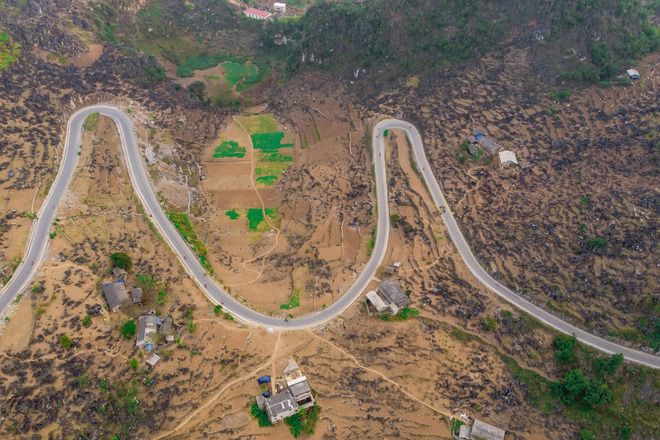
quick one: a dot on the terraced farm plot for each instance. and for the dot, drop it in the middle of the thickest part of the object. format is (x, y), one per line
(275, 157)
(229, 149)
(258, 123)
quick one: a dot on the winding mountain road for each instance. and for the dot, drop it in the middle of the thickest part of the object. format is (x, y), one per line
(39, 236)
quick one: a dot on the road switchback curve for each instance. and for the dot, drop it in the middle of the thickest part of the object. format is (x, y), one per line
(39, 236)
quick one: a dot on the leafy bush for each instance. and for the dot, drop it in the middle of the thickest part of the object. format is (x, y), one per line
(87, 321)
(578, 390)
(128, 329)
(65, 342)
(217, 309)
(607, 366)
(260, 415)
(133, 363)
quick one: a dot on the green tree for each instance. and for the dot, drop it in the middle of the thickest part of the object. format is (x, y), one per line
(565, 349)
(295, 425)
(197, 90)
(129, 329)
(133, 363)
(121, 260)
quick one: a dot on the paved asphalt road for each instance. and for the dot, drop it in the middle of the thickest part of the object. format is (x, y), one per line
(38, 240)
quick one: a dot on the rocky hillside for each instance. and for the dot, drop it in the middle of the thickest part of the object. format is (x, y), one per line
(583, 39)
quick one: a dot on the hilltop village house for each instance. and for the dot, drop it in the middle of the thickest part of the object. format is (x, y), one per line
(481, 140)
(257, 14)
(389, 296)
(116, 293)
(150, 329)
(480, 431)
(294, 393)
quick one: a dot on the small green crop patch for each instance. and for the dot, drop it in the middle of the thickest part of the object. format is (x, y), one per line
(259, 123)
(256, 217)
(267, 180)
(235, 72)
(229, 149)
(91, 122)
(239, 71)
(232, 214)
(204, 61)
(269, 142)
(275, 157)
(294, 301)
(270, 169)
(9, 51)
(182, 223)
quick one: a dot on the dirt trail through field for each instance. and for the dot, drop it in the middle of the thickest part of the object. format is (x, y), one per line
(263, 208)
(223, 389)
(354, 359)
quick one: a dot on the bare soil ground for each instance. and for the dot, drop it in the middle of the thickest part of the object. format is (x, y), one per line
(321, 239)
(574, 228)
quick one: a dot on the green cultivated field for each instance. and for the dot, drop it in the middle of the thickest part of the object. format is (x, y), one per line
(229, 149)
(269, 142)
(275, 157)
(267, 180)
(9, 51)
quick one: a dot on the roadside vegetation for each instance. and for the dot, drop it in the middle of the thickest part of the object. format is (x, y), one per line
(293, 302)
(604, 396)
(182, 223)
(91, 122)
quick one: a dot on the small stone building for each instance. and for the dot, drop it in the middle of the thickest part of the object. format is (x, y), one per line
(116, 295)
(393, 293)
(147, 330)
(256, 14)
(136, 294)
(375, 300)
(280, 406)
(301, 392)
(481, 431)
(508, 159)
